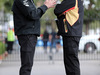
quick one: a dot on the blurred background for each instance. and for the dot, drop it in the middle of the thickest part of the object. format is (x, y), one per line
(46, 50)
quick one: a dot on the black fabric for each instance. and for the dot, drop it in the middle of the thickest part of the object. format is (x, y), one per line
(45, 36)
(65, 5)
(30, 11)
(60, 25)
(9, 46)
(27, 17)
(45, 39)
(71, 61)
(27, 44)
(53, 39)
(76, 29)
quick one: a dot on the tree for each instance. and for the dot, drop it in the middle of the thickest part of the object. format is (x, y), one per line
(5, 8)
(91, 13)
(1, 3)
(7, 4)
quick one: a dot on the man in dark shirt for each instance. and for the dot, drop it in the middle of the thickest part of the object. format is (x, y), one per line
(69, 23)
(45, 39)
(53, 39)
(27, 28)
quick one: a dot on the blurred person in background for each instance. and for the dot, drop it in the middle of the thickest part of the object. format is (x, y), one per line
(52, 39)
(45, 39)
(58, 45)
(27, 28)
(10, 40)
(70, 20)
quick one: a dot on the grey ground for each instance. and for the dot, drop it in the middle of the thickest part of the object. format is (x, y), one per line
(49, 68)
(89, 64)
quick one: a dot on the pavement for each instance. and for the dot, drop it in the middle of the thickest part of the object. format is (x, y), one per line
(89, 67)
(89, 64)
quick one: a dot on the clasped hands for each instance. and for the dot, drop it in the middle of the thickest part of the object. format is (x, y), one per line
(50, 3)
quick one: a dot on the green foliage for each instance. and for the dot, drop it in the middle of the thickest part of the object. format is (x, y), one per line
(92, 12)
(97, 4)
(92, 15)
(6, 5)
(95, 24)
(2, 48)
(1, 2)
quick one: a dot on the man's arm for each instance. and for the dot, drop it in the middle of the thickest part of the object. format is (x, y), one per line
(28, 9)
(64, 6)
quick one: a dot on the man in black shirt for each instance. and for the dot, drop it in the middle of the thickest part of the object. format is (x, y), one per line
(27, 28)
(45, 39)
(69, 23)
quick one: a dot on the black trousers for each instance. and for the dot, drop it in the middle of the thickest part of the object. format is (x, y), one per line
(27, 50)
(71, 61)
(45, 44)
(10, 45)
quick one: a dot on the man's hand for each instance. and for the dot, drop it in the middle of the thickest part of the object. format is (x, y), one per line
(50, 3)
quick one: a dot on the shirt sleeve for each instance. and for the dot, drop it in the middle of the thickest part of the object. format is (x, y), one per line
(28, 9)
(64, 6)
